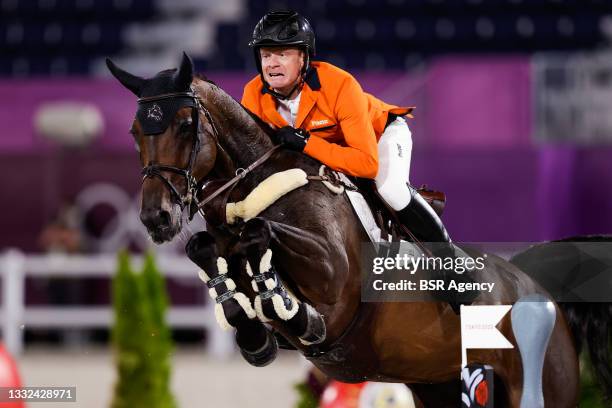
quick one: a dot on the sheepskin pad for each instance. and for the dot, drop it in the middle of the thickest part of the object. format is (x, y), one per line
(265, 194)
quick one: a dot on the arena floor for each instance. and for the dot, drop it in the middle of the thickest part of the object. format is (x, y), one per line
(197, 381)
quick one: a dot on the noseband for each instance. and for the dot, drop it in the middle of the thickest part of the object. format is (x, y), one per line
(157, 170)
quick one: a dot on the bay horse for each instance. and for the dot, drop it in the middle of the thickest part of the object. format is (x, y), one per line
(305, 248)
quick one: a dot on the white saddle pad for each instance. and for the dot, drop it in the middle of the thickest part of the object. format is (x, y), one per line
(362, 209)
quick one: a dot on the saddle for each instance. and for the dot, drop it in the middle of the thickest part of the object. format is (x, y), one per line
(385, 217)
(436, 199)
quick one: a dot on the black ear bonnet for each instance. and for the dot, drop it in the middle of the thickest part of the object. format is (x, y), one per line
(155, 116)
(160, 97)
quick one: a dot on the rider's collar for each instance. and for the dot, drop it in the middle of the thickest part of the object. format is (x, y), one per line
(311, 78)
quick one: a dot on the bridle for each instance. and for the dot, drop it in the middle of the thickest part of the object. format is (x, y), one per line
(188, 198)
(193, 186)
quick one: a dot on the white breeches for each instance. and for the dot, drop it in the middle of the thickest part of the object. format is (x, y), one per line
(394, 151)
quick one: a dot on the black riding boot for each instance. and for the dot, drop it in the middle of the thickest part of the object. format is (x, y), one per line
(423, 221)
(426, 226)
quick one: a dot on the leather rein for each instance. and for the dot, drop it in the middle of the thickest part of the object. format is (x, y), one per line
(192, 186)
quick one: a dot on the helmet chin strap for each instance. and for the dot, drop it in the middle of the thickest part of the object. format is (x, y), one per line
(279, 95)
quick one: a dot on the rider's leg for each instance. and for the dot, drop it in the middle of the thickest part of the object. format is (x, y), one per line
(392, 183)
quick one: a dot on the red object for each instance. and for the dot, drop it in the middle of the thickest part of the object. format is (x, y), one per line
(341, 395)
(9, 377)
(482, 393)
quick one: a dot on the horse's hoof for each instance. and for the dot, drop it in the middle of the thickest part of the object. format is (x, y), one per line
(264, 355)
(315, 327)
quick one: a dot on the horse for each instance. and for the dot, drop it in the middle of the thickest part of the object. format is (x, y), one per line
(298, 260)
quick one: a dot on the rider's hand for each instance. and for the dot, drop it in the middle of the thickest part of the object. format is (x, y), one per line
(292, 138)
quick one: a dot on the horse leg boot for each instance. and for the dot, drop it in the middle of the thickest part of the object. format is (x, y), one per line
(273, 301)
(426, 226)
(232, 309)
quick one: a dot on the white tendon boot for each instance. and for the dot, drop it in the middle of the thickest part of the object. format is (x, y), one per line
(222, 289)
(268, 287)
(274, 301)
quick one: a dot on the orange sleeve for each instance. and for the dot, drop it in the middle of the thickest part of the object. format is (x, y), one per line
(360, 155)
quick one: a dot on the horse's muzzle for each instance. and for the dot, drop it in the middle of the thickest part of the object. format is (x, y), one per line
(159, 224)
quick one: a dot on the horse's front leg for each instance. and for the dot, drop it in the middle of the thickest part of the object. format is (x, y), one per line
(232, 309)
(273, 301)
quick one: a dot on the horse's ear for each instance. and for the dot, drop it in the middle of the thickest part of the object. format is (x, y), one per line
(184, 76)
(131, 82)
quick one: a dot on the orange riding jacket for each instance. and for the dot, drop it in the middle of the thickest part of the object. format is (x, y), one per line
(344, 122)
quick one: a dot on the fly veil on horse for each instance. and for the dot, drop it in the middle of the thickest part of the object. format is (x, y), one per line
(296, 265)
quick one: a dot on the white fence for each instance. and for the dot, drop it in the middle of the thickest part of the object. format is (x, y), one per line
(16, 315)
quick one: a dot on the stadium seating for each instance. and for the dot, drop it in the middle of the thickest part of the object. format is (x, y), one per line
(60, 37)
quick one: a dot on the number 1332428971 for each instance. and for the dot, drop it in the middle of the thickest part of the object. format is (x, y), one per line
(33, 394)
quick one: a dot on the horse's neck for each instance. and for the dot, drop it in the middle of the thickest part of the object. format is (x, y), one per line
(239, 135)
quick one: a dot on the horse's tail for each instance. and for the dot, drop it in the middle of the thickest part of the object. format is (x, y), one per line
(590, 323)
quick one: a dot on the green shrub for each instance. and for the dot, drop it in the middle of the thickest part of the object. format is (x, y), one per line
(141, 339)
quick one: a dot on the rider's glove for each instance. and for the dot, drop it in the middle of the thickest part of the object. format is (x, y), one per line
(292, 138)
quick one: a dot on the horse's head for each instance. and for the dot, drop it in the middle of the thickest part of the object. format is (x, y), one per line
(176, 140)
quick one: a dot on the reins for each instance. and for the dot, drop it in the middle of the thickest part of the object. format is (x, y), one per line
(240, 174)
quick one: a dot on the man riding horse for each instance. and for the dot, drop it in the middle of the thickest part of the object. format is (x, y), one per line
(296, 263)
(322, 111)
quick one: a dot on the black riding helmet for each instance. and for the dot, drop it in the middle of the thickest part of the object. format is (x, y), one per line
(283, 28)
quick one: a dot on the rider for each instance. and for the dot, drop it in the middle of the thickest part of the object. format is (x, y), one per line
(322, 111)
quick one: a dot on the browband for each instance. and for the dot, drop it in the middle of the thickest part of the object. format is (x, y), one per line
(155, 98)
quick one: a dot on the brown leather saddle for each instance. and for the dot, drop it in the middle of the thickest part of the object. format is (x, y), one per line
(437, 199)
(385, 216)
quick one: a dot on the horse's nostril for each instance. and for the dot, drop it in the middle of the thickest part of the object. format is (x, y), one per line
(155, 218)
(164, 218)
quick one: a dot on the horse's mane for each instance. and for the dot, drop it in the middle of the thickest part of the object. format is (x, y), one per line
(246, 136)
(267, 129)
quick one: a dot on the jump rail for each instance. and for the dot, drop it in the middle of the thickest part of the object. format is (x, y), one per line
(15, 315)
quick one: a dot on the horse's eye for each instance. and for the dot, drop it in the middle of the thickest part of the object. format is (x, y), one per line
(185, 128)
